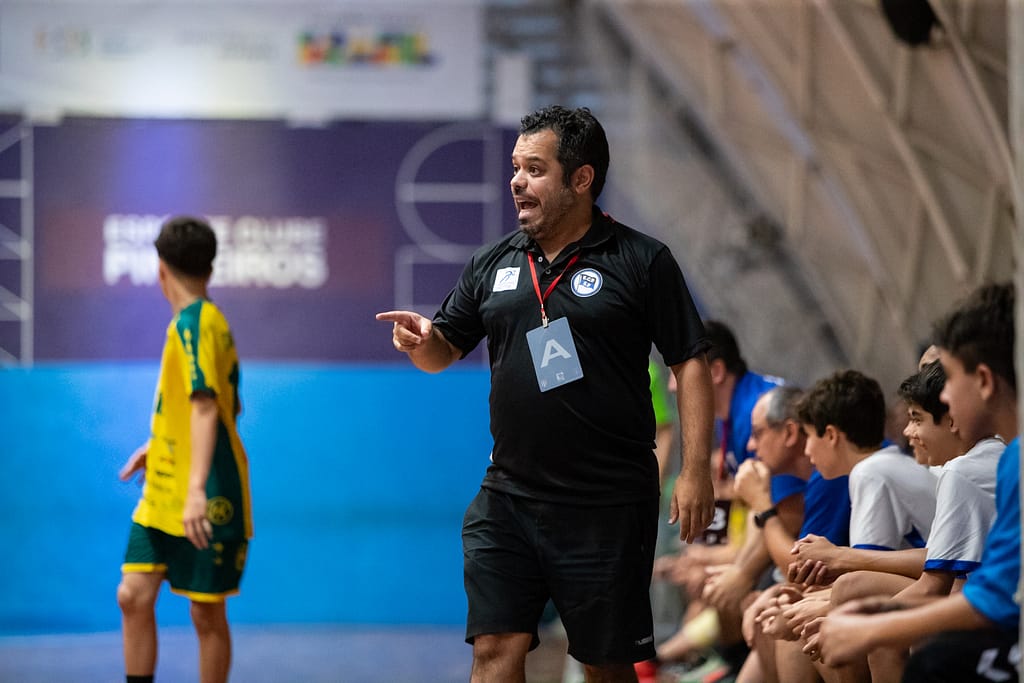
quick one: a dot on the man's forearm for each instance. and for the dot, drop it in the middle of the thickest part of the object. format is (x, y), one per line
(753, 557)
(779, 542)
(434, 354)
(696, 404)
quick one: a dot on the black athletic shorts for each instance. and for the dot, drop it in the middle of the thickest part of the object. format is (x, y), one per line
(965, 657)
(594, 563)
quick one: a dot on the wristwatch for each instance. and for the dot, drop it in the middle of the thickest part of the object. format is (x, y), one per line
(761, 517)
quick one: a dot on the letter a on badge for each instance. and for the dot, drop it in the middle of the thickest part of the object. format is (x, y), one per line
(553, 350)
(554, 355)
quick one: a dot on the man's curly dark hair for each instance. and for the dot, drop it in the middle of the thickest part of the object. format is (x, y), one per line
(581, 141)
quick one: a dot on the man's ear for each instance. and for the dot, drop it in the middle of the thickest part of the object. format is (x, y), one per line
(791, 431)
(832, 435)
(985, 380)
(582, 178)
(718, 371)
(953, 427)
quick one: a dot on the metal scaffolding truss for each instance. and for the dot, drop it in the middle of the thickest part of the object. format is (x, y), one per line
(16, 246)
(888, 167)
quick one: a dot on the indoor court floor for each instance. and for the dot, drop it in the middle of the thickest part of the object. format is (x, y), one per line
(278, 654)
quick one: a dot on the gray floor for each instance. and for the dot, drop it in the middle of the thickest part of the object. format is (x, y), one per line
(262, 655)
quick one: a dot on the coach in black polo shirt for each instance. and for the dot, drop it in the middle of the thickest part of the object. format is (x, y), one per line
(570, 305)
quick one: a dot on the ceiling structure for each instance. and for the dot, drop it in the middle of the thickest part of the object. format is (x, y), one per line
(829, 188)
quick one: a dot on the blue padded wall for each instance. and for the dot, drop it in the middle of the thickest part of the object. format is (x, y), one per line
(360, 477)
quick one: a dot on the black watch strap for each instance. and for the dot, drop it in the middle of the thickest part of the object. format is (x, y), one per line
(761, 517)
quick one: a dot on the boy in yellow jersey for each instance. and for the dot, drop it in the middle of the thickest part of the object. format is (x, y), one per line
(193, 522)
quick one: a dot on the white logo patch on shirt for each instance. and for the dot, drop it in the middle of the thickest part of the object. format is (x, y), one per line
(506, 279)
(586, 283)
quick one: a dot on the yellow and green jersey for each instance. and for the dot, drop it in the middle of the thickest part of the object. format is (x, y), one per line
(199, 356)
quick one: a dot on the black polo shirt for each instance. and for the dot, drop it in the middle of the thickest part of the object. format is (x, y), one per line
(590, 441)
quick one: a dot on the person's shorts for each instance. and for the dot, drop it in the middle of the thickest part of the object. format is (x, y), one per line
(208, 575)
(594, 563)
(977, 656)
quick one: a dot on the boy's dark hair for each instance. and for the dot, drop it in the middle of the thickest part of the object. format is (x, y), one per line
(724, 347)
(849, 400)
(188, 245)
(581, 141)
(981, 330)
(924, 387)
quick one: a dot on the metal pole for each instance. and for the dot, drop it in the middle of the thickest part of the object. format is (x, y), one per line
(1015, 58)
(28, 240)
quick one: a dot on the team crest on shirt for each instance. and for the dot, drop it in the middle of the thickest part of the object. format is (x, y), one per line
(219, 510)
(506, 279)
(586, 282)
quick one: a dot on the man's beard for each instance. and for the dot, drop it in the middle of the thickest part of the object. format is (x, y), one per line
(551, 218)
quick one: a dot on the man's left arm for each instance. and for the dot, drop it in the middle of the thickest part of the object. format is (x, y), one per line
(693, 498)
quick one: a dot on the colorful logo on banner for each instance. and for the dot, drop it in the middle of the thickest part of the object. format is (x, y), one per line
(364, 47)
(63, 42)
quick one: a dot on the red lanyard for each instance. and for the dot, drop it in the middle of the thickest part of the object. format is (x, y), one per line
(536, 284)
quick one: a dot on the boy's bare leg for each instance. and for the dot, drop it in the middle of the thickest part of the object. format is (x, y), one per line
(136, 596)
(792, 664)
(887, 664)
(751, 671)
(211, 622)
(865, 584)
(857, 672)
(766, 649)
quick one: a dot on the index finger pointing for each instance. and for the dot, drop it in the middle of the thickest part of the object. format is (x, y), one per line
(410, 320)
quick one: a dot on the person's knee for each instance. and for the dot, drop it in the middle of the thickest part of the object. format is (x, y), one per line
(134, 595)
(609, 673)
(850, 586)
(208, 617)
(501, 647)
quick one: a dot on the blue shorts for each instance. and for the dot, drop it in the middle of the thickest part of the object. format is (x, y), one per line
(593, 563)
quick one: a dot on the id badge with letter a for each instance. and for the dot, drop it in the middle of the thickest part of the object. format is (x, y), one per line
(554, 355)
